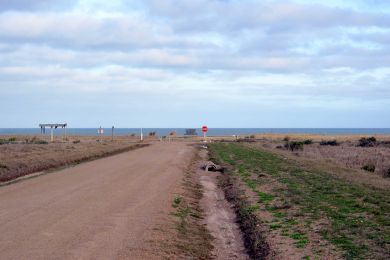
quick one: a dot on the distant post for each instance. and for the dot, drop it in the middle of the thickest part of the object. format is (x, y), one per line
(142, 135)
(51, 134)
(112, 133)
(100, 132)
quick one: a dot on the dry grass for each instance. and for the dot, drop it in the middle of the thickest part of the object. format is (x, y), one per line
(318, 137)
(20, 158)
(345, 156)
(348, 155)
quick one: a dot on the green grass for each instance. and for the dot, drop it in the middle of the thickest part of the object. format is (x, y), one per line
(358, 216)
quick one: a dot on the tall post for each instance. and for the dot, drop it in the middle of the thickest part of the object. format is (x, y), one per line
(142, 135)
(51, 134)
(112, 133)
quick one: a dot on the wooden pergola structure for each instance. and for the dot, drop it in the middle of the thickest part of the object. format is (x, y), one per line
(52, 126)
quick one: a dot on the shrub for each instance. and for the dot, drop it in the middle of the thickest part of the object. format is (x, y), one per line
(132, 135)
(173, 133)
(367, 142)
(41, 142)
(294, 145)
(387, 174)
(152, 133)
(329, 142)
(308, 141)
(252, 136)
(286, 138)
(369, 167)
(76, 141)
(12, 139)
(3, 166)
(2, 141)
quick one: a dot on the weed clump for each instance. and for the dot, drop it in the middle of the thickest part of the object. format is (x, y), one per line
(3, 166)
(12, 139)
(294, 145)
(369, 167)
(76, 141)
(367, 142)
(41, 142)
(308, 141)
(387, 173)
(329, 142)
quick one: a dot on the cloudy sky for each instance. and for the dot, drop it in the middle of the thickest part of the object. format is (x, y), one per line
(224, 63)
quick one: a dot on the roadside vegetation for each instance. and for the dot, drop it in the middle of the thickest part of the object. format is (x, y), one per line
(312, 207)
(23, 156)
(191, 239)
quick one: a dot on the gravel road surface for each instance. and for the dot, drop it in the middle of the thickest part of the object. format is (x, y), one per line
(104, 209)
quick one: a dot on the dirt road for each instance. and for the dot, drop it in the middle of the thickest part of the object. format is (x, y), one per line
(102, 209)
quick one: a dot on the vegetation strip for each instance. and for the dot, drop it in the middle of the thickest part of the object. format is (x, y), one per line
(354, 218)
(193, 239)
(50, 167)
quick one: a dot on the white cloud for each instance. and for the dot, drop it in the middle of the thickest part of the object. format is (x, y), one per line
(295, 53)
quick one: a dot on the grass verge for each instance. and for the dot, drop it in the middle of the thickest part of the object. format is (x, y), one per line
(353, 217)
(193, 239)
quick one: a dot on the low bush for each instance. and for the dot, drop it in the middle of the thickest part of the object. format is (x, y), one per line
(369, 167)
(329, 142)
(308, 141)
(294, 145)
(76, 141)
(246, 139)
(3, 166)
(152, 133)
(12, 139)
(41, 142)
(387, 173)
(286, 138)
(367, 142)
(252, 136)
(2, 141)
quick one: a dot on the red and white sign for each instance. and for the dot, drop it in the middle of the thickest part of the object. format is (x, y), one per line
(204, 129)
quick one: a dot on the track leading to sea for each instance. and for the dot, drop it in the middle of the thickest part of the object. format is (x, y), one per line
(104, 209)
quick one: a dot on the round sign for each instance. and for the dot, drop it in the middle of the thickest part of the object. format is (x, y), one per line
(204, 129)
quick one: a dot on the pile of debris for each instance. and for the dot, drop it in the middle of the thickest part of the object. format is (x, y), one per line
(212, 167)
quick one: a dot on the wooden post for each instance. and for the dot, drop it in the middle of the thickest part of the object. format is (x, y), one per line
(51, 134)
(112, 134)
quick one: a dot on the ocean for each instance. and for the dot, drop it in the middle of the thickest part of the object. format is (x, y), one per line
(211, 132)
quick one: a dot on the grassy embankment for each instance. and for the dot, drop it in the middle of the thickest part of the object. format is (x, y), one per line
(355, 218)
(20, 158)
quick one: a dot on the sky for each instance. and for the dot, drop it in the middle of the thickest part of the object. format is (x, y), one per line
(221, 63)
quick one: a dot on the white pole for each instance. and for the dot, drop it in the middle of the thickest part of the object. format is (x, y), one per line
(142, 135)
